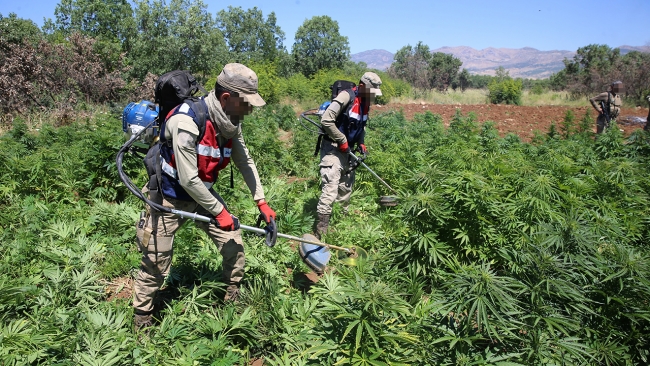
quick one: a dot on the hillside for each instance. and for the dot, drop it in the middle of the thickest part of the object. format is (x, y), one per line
(524, 62)
(376, 59)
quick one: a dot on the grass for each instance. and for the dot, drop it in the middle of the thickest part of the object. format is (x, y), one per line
(479, 96)
(552, 98)
(300, 106)
(34, 120)
(469, 96)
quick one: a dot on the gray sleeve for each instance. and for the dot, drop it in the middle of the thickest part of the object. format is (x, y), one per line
(184, 133)
(329, 117)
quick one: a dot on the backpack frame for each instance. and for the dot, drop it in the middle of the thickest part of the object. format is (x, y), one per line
(175, 88)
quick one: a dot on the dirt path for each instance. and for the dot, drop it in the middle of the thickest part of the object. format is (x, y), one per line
(519, 120)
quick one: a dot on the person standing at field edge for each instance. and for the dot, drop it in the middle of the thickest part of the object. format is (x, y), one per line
(344, 123)
(189, 170)
(647, 123)
(611, 99)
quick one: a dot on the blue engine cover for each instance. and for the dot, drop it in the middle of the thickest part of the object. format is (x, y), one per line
(141, 114)
(137, 116)
(323, 107)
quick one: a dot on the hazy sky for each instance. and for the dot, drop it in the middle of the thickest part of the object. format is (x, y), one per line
(382, 24)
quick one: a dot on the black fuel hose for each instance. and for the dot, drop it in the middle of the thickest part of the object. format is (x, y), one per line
(127, 181)
(270, 230)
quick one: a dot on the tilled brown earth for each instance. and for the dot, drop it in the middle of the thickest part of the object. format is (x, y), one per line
(520, 120)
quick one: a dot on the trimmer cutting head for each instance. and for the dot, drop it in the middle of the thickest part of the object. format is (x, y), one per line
(316, 257)
(388, 201)
(352, 258)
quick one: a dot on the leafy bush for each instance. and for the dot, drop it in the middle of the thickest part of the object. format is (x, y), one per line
(60, 75)
(506, 91)
(268, 81)
(296, 87)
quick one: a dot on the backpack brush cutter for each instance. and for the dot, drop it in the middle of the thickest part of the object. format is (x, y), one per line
(140, 122)
(387, 201)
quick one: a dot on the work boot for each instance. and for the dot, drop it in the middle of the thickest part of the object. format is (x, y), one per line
(143, 321)
(322, 225)
(232, 294)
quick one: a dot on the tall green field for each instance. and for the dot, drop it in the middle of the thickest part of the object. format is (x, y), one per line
(499, 253)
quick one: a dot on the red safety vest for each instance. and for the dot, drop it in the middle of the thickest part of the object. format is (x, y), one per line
(210, 158)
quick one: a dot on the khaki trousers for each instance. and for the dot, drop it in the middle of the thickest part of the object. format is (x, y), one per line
(601, 123)
(336, 184)
(157, 249)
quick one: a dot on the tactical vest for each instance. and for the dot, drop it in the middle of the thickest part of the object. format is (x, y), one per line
(353, 120)
(210, 157)
(614, 105)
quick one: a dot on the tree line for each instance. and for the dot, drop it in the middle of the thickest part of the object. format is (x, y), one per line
(102, 50)
(98, 51)
(596, 66)
(590, 71)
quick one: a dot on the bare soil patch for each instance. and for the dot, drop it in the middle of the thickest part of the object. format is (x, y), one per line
(520, 120)
(119, 288)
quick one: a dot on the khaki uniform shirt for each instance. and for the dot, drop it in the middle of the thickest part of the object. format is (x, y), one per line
(183, 132)
(615, 103)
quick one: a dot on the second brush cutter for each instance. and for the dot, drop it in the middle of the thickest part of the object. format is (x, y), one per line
(317, 128)
(383, 200)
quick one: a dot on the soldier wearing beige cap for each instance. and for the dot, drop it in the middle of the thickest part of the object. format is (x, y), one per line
(189, 172)
(344, 123)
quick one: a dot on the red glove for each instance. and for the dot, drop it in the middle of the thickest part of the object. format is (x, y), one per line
(363, 150)
(266, 211)
(344, 148)
(226, 221)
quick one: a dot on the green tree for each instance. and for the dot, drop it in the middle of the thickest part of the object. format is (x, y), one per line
(412, 65)
(464, 80)
(106, 20)
(110, 23)
(480, 81)
(18, 31)
(503, 89)
(319, 45)
(249, 36)
(591, 68)
(501, 74)
(634, 69)
(178, 35)
(418, 66)
(443, 69)
(558, 80)
(595, 66)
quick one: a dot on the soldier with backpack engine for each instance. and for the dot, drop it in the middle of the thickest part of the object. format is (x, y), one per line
(608, 105)
(344, 122)
(198, 138)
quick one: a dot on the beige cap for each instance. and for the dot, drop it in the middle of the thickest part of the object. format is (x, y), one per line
(242, 80)
(372, 81)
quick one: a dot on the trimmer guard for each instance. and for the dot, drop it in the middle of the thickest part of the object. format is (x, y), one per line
(314, 256)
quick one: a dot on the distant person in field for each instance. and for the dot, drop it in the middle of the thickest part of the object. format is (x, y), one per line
(611, 101)
(344, 123)
(647, 123)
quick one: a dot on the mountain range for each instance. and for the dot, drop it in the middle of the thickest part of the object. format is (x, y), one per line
(524, 62)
